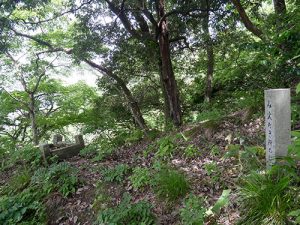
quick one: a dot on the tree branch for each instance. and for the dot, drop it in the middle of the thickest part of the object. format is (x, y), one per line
(14, 98)
(120, 13)
(246, 21)
(58, 15)
(180, 11)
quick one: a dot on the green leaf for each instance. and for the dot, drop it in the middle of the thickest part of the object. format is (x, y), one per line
(298, 88)
(295, 213)
(222, 201)
(296, 134)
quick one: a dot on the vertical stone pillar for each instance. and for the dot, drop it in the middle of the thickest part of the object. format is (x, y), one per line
(45, 149)
(277, 124)
(57, 138)
(79, 140)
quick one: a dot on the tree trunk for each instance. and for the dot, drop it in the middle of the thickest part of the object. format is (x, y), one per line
(279, 6)
(132, 103)
(167, 75)
(210, 56)
(164, 93)
(34, 130)
(209, 74)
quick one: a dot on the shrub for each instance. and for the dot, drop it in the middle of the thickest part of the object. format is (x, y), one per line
(294, 153)
(170, 184)
(7, 148)
(135, 136)
(248, 158)
(28, 155)
(266, 198)
(296, 215)
(90, 150)
(215, 150)
(127, 213)
(213, 171)
(193, 211)
(152, 134)
(19, 181)
(140, 177)
(213, 115)
(166, 148)
(103, 153)
(25, 207)
(191, 151)
(116, 173)
(58, 177)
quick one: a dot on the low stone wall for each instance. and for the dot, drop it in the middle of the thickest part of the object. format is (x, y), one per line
(60, 149)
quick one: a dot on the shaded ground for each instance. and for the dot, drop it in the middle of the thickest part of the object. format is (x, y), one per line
(78, 209)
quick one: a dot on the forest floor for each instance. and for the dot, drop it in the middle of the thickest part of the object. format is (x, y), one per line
(212, 144)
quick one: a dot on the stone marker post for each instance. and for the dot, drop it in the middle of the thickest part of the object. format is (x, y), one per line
(57, 138)
(79, 140)
(45, 149)
(277, 123)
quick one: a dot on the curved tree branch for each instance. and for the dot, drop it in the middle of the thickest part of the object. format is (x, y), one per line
(246, 21)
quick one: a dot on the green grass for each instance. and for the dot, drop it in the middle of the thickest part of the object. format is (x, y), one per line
(170, 184)
(266, 199)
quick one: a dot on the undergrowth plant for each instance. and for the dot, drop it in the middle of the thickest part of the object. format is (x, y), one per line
(194, 211)
(166, 148)
(215, 150)
(102, 199)
(248, 157)
(140, 177)
(267, 198)
(213, 171)
(23, 208)
(272, 197)
(58, 177)
(22, 198)
(115, 174)
(90, 150)
(170, 184)
(191, 151)
(105, 148)
(127, 213)
(134, 136)
(26, 155)
(18, 182)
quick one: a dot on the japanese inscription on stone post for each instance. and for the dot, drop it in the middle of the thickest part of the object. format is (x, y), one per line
(270, 138)
(277, 124)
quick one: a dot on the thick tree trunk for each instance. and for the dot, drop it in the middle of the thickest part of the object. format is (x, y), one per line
(279, 6)
(209, 74)
(32, 116)
(167, 75)
(164, 93)
(210, 56)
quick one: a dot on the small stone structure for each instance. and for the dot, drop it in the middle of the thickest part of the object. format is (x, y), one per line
(62, 149)
(278, 124)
